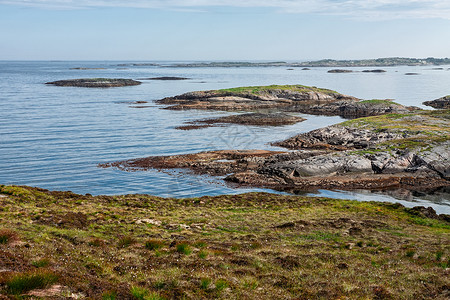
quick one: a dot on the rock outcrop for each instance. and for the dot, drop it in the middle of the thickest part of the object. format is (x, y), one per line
(96, 82)
(441, 103)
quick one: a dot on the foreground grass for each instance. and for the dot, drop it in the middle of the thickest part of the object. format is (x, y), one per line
(251, 246)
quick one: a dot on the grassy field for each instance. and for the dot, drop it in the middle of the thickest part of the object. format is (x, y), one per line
(253, 246)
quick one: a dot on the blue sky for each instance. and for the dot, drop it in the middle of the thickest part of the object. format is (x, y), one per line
(223, 29)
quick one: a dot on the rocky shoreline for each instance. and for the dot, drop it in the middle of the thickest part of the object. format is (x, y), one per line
(409, 151)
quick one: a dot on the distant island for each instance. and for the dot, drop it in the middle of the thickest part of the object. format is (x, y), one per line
(375, 62)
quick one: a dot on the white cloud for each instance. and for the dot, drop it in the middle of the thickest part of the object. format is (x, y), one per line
(366, 9)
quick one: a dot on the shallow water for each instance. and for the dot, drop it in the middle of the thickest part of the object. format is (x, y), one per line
(54, 137)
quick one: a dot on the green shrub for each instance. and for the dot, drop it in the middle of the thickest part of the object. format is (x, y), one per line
(204, 283)
(410, 253)
(154, 244)
(184, 248)
(23, 282)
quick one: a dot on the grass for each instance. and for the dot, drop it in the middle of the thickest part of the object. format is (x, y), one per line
(154, 244)
(126, 241)
(258, 90)
(396, 253)
(184, 248)
(379, 102)
(24, 282)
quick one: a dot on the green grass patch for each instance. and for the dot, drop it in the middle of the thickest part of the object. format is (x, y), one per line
(184, 248)
(24, 282)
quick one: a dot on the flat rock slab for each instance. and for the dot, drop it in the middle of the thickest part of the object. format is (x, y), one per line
(96, 82)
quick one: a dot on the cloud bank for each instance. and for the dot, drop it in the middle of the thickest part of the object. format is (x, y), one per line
(361, 9)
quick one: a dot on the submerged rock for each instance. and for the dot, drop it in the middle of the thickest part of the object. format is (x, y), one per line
(96, 82)
(255, 119)
(441, 103)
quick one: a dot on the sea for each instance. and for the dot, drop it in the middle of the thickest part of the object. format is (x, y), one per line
(54, 137)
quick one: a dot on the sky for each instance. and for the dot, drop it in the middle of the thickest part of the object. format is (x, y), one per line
(231, 30)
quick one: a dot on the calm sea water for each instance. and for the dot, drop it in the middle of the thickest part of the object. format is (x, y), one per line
(54, 137)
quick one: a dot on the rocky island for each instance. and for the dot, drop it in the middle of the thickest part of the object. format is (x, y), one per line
(285, 98)
(96, 82)
(410, 151)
